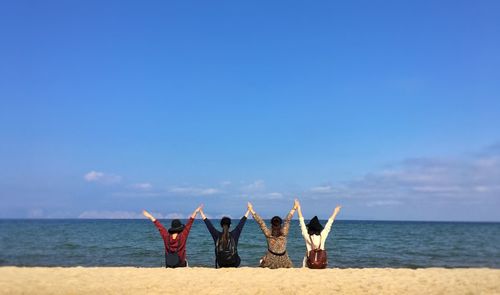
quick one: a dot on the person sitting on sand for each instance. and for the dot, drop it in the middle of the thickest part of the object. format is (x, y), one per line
(174, 239)
(315, 236)
(226, 242)
(276, 256)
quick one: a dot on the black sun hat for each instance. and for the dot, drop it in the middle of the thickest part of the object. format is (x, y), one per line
(314, 225)
(176, 226)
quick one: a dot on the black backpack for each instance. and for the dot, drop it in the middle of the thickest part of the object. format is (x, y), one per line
(226, 256)
(172, 259)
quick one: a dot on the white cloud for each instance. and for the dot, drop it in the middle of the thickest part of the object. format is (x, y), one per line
(97, 214)
(326, 189)
(142, 186)
(138, 193)
(175, 215)
(263, 196)
(145, 190)
(36, 213)
(454, 181)
(194, 191)
(275, 195)
(208, 191)
(256, 186)
(101, 177)
(437, 189)
(383, 203)
(225, 183)
(93, 214)
(469, 177)
(93, 176)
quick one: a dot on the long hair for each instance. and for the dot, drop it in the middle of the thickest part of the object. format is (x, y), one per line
(276, 226)
(225, 235)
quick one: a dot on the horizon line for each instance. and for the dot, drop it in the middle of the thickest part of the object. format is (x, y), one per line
(379, 220)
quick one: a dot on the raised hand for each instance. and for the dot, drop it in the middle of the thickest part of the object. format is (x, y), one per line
(250, 207)
(337, 210)
(195, 212)
(200, 209)
(296, 204)
(299, 210)
(148, 215)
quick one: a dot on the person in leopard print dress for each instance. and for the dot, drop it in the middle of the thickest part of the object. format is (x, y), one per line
(276, 256)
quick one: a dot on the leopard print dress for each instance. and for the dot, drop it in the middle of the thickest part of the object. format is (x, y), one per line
(276, 256)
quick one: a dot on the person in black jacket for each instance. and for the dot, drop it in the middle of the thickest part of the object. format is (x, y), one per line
(226, 242)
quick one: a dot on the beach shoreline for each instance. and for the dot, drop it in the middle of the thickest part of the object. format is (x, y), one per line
(247, 280)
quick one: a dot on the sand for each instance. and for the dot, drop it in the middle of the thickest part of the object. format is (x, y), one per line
(130, 280)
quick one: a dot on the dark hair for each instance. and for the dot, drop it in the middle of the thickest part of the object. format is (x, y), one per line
(225, 220)
(225, 235)
(314, 227)
(276, 222)
(311, 231)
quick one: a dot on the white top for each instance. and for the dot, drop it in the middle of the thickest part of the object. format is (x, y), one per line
(317, 240)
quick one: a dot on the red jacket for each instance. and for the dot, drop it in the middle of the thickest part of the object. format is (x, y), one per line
(176, 245)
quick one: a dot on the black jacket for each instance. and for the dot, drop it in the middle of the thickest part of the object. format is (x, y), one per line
(235, 233)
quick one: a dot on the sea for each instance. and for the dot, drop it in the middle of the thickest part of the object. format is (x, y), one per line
(351, 244)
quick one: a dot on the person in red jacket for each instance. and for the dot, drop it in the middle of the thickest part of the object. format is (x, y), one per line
(174, 238)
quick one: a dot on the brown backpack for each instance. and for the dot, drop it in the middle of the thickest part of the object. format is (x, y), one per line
(316, 258)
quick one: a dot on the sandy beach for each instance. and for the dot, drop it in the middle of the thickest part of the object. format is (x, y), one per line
(130, 280)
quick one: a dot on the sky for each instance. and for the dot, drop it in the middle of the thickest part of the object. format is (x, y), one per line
(388, 108)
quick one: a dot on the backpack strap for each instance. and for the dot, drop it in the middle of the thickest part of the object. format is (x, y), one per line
(312, 244)
(216, 247)
(233, 244)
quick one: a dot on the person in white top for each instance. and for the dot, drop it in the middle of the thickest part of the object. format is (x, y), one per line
(314, 233)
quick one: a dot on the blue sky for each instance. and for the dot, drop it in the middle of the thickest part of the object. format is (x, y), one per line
(390, 108)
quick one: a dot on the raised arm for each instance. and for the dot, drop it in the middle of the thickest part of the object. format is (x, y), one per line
(286, 223)
(211, 229)
(328, 225)
(303, 227)
(299, 209)
(259, 221)
(239, 227)
(159, 226)
(335, 212)
(189, 223)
